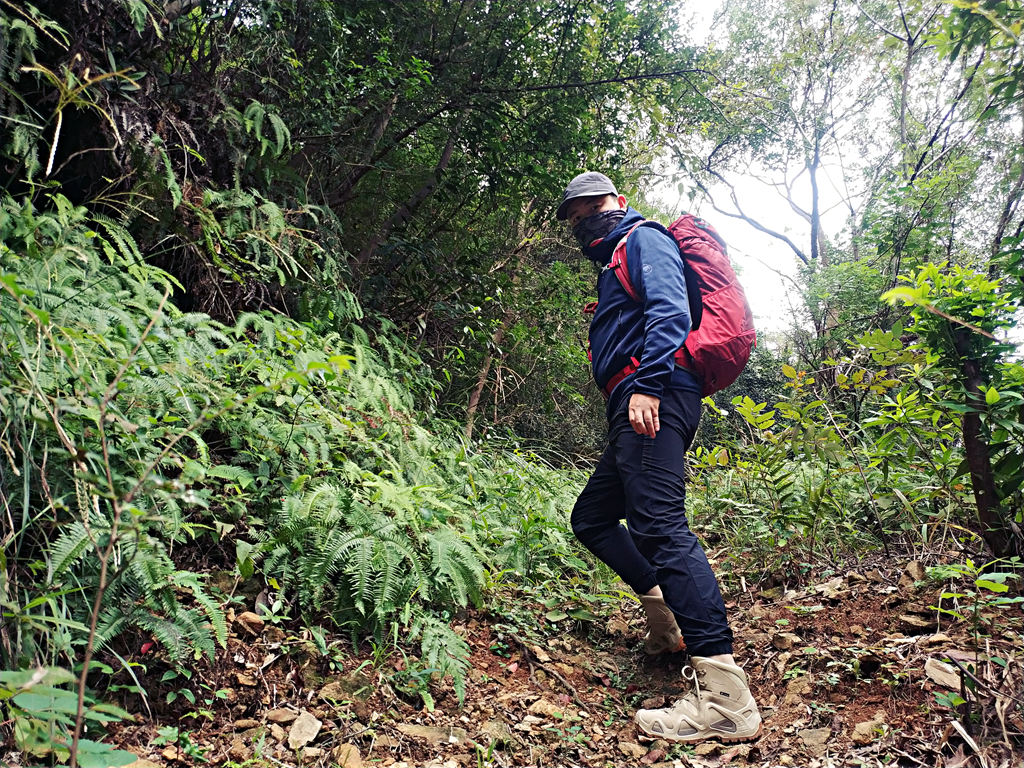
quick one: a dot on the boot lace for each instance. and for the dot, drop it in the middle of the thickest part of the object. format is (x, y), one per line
(693, 676)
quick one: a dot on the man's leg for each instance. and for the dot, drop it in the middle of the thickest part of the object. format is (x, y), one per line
(652, 472)
(596, 523)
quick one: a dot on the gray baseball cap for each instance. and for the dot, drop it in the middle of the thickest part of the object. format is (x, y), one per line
(589, 184)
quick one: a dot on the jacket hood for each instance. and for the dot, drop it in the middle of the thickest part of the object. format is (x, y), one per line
(600, 251)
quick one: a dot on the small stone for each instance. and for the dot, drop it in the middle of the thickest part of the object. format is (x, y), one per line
(796, 689)
(312, 753)
(540, 654)
(856, 629)
(546, 708)
(281, 716)
(434, 734)
(815, 739)
(783, 641)
(631, 749)
(274, 635)
(771, 594)
(944, 674)
(915, 571)
(874, 575)
(250, 623)
(854, 578)
(866, 732)
(496, 731)
(277, 732)
(938, 639)
(706, 748)
(239, 750)
(303, 730)
(173, 754)
(911, 624)
(347, 756)
(247, 680)
(245, 724)
(618, 627)
(142, 763)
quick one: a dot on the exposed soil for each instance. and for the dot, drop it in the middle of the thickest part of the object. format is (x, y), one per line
(854, 671)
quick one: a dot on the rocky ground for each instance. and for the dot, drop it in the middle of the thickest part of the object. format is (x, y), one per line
(859, 669)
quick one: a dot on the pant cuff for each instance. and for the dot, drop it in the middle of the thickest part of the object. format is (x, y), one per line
(714, 648)
(645, 584)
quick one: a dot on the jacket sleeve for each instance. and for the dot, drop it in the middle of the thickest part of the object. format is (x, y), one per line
(656, 269)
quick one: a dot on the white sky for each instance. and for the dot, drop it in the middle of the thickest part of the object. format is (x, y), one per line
(766, 266)
(758, 257)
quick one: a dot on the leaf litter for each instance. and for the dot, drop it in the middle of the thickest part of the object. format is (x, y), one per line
(859, 669)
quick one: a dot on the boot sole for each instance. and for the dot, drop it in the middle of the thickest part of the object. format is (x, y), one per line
(724, 738)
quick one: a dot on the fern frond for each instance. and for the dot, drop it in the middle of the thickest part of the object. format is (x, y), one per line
(443, 649)
(67, 550)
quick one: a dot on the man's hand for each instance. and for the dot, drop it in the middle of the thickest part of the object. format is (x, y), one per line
(643, 414)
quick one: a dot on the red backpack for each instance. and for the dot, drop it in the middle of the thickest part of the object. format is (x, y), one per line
(723, 334)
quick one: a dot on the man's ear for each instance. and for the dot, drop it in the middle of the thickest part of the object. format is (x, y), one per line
(622, 202)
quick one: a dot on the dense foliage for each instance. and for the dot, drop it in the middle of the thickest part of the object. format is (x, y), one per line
(284, 321)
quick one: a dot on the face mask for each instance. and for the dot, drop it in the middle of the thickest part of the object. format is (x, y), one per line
(597, 226)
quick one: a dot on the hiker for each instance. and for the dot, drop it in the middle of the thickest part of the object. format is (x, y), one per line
(653, 408)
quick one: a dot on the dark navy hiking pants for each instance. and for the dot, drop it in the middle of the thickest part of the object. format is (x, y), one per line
(643, 480)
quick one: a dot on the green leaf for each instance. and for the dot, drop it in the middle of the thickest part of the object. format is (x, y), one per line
(991, 586)
(556, 616)
(95, 754)
(43, 700)
(992, 396)
(582, 614)
(788, 371)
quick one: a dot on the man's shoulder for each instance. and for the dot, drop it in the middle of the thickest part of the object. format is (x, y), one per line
(650, 233)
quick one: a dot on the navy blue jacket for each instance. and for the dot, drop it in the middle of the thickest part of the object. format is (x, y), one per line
(650, 330)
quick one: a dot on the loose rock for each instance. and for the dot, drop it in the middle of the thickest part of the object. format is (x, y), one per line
(815, 739)
(944, 674)
(631, 749)
(303, 730)
(250, 623)
(866, 732)
(281, 716)
(434, 734)
(347, 756)
(783, 641)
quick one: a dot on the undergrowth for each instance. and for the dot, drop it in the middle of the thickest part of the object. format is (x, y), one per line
(141, 440)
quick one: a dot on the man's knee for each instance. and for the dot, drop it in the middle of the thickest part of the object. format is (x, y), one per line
(584, 522)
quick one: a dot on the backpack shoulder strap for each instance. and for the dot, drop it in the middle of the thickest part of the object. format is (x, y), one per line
(618, 262)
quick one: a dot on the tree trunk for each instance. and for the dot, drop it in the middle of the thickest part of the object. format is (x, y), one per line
(346, 190)
(996, 533)
(406, 210)
(481, 379)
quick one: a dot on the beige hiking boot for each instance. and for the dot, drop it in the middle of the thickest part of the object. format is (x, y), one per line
(663, 635)
(719, 707)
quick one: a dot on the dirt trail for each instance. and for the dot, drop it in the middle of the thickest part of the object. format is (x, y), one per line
(853, 671)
